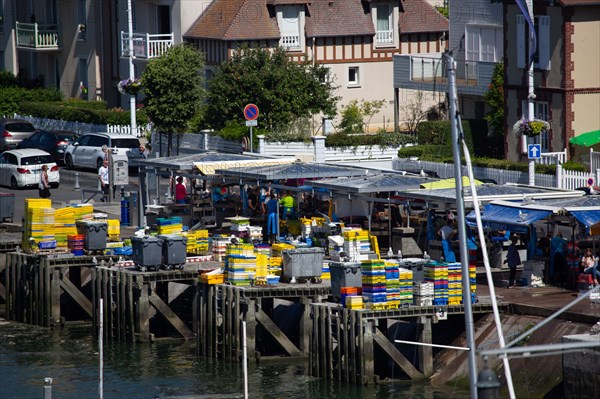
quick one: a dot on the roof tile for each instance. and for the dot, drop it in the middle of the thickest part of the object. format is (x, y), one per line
(420, 16)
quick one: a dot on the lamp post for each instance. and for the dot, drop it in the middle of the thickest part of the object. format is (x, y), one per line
(530, 88)
(131, 69)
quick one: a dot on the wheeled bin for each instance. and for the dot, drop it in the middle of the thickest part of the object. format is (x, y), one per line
(344, 274)
(7, 206)
(303, 263)
(174, 250)
(95, 233)
(147, 252)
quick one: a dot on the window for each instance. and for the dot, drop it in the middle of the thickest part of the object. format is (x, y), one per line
(82, 18)
(541, 56)
(289, 26)
(353, 76)
(385, 32)
(2, 16)
(83, 77)
(84, 141)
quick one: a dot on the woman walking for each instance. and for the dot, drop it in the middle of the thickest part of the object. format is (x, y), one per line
(44, 184)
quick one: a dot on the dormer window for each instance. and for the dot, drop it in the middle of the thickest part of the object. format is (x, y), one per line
(289, 26)
(384, 25)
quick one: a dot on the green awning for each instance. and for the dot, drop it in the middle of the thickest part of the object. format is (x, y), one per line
(586, 139)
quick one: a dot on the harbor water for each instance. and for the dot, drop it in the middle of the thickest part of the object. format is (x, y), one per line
(164, 369)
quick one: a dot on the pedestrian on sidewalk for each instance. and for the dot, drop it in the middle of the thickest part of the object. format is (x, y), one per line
(513, 259)
(104, 183)
(44, 184)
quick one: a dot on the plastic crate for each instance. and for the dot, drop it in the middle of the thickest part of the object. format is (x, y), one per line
(304, 263)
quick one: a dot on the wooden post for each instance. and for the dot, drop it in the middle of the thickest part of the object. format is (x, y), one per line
(55, 295)
(305, 325)
(425, 352)
(143, 309)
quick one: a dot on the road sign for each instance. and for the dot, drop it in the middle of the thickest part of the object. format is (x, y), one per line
(253, 122)
(534, 151)
(251, 112)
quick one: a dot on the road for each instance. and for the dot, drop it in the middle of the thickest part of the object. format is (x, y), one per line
(88, 182)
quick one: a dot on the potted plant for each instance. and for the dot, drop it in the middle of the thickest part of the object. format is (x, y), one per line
(530, 128)
(129, 86)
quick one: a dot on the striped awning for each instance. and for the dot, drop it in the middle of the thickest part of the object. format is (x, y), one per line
(209, 168)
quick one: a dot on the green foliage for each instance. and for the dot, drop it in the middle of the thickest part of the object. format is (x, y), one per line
(494, 98)
(444, 10)
(382, 138)
(234, 131)
(426, 152)
(77, 103)
(173, 88)
(574, 166)
(7, 79)
(12, 97)
(297, 131)
(282, 89)
(68, 112)
(356, 116)
(438, 133)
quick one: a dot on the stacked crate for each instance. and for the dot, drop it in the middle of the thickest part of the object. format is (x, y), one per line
(373, 284)
(240, 264)
(64, 226)
(437, 273)
(406, 286)
(455, 287)
(172, 225)
(114, 230)
(219, 247)
(38, 231)
(392, 285)
(356, 244)
(353, 302)
(325, 273)
(197, 241)
(423, 293)
(276, 260)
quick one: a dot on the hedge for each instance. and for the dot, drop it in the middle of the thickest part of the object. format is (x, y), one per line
(11, 98)
(383, 139)
(439, 133)
(67, 112)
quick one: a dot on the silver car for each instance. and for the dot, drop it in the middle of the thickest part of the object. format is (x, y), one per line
(87, 152)
(13, 131)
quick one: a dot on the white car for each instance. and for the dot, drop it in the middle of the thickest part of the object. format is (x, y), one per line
(86, 152)
(21, 168)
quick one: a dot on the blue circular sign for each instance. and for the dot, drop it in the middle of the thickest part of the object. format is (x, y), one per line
(251, 112)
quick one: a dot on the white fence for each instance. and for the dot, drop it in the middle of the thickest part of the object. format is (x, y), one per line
(553, 158)
(570, 179)
(80, 128)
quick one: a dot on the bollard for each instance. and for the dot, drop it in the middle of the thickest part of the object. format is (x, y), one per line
(76, 182)
(488, 386)
(47, 388)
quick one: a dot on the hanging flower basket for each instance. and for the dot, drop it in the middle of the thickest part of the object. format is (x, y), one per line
(129, 86)
(530, 128)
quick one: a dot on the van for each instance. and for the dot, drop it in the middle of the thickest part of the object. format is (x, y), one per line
(87, 152)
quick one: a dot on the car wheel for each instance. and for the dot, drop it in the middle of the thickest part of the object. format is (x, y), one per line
(99, 163)
(13, 183)
(54, 185)
(69, 162)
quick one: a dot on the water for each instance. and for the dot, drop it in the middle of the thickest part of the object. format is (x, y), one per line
(165, 369)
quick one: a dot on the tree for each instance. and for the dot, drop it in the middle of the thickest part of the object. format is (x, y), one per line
(413, 112)
(494, 98)
(283, 90)
(355, 113)
(173, 88)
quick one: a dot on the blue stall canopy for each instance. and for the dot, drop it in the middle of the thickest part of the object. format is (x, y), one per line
(499, 217)
(588, 217)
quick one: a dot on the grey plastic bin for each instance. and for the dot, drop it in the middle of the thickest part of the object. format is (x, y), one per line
(344, 274)
(95, 234)
(7, 206)
(174, 250)
(303, 263)
(147, 252)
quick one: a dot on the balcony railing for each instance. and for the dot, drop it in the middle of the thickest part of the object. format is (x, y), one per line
(385, 37)
(290, 42)
(38, 36)
(468, 73)
(146, 45)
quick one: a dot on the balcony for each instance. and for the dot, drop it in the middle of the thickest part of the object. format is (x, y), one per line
(430, 73)
(291, 42)
(145, 45)
(38, 36)
(384, 37)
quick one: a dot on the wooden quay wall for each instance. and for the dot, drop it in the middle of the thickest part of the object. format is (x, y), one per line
(277, 319)
(144, 306)
(354, 346)
(48, 289)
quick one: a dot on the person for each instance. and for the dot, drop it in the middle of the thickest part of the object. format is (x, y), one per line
(218, 199)
(104, 183)
(288, 203)
(253, 208)
(105, 153)
(446, 232)
(143, 153)
(180, 191)
(513, 259)
(589, 264)
(558, 266)
(272, 207)
(396, 215)
(44, 184)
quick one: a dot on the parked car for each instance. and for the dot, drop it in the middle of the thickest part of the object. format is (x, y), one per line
(53, 142)
(22, 167)
(87, 152)
(13, 131)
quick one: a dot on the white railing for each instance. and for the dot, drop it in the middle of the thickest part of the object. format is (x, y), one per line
(426, 68)
(38, 36)
(385, 37)
(146, 45)
(290, 41)
(594, 160)
(553, 158)
(570, 179)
